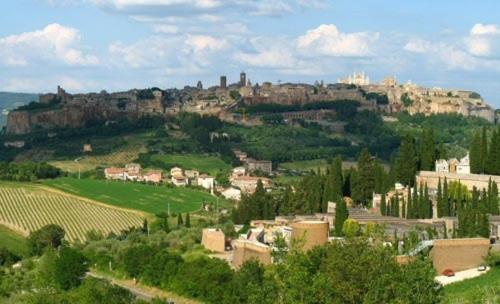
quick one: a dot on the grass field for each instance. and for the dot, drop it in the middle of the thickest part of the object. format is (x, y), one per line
(147, 198)
(202, 163)
(27, 207)
(473, 290)
(13, 241)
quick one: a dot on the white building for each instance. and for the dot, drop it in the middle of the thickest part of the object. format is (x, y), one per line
(357, 78)
(454, 165)
(206, 181)
(232, 194)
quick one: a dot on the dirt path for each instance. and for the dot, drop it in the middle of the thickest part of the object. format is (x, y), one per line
(143, 292)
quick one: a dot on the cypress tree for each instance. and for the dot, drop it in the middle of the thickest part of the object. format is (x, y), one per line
(476, 162)
(428, 202)
(188, 221)
(439, 198)
(341, 215)
(396, 206)
(366, 180)
(484, 150)
(427, 150)
(493, 198)
(403, 209)
(446, 199)
(180, 222)
(493, 154)
(406, 162)
(414, 203)
(442, 154)
(383, 206)
(422, 209)
(408, 204)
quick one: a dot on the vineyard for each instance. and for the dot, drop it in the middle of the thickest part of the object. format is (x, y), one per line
(26, 208)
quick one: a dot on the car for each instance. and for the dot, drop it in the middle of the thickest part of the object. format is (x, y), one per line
(448, 273)
(481, 268)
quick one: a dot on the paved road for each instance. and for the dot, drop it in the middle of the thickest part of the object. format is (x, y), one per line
(460, 276)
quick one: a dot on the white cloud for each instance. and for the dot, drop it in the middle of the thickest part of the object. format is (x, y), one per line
(54, 43)
(169, 53)
(485, 29)
(327, 40)
(273, 8)
(312, 3)
(418, 46)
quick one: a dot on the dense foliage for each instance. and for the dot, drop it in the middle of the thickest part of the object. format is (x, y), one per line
(27, 171)
(484, 154)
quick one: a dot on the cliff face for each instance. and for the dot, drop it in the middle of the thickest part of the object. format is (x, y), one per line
(76, 115)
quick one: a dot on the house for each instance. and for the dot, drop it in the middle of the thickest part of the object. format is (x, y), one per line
(14, 144)
(155, 176)
(206, 181)
(87, 148)
(264, 166)
(463, 167)
(248, 184)
(242, 156)
(179, 180)
(245, 250)
(176, 171)
(192, 176)
(453, 165)
(115, 173)
(239, 171)
(133, 169)
(232, 194)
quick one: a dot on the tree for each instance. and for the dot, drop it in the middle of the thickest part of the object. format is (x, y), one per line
(366, 180)
(341, 215)
(475, 154)
(427, 150)
(383, 204)
(47, 236)
(406, 162)
(180, 221)
(188, 221)
(70, 268)
(94, 291)
(351, 228)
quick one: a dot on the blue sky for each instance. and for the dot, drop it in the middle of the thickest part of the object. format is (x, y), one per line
(90, 45)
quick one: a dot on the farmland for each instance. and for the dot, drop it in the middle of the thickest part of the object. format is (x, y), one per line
(202, 163)
(13, 241)
(27, 207)
(147, 198)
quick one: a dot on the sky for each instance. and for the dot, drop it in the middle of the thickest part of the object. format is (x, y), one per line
(93, 45)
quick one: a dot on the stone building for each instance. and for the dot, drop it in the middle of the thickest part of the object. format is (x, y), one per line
(312, 233)
(214, 239)
(264, 166)
(459, 254)
(480, 181)
(245, 250)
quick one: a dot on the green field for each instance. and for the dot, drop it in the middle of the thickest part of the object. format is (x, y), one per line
(475, 290)
(147, 198)
(13, 241)
(203, 163)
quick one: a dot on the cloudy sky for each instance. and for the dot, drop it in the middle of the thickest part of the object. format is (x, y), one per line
(89, 45)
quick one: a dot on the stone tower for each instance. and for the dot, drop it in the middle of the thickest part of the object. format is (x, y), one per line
(223, 82)
(243, 79)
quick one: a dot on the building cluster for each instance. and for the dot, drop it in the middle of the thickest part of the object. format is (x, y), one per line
(134, 172)
(180, 178)
(259, 242)
(453, 165)
(245, 179)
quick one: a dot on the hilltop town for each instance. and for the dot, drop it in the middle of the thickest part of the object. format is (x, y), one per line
(63, 109)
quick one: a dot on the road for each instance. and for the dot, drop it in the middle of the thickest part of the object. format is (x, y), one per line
(142, 292)
(460, 276)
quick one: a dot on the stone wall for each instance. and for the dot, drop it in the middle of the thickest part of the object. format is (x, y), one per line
(247, 250)
(459, 254)
(480, 181)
